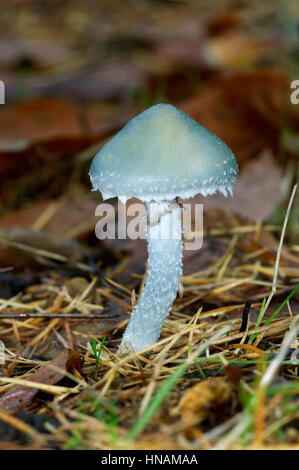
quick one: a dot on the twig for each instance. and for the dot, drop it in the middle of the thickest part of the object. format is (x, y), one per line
(6, 316)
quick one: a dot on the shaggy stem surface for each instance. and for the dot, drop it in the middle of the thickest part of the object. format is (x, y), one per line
(165, 247)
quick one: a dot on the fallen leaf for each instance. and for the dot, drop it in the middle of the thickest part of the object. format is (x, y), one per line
(223, 22)
(247, 111)
(233, 50)
(22, 247)
(41, 119)
(72, 216)
(256, 193)
(205, 404)
(76, 286)
(20, 396)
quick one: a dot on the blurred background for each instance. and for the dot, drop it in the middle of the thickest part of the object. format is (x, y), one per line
(76, 71)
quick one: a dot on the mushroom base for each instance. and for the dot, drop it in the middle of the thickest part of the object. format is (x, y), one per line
(165, 248)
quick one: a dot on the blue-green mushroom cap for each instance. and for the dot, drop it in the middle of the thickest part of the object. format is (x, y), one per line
(162, 154)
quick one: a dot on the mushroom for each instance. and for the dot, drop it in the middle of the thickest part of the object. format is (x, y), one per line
(158, 156)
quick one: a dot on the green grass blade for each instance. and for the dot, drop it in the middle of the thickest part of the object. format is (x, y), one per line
(156, 402)
(282, 305)
(258, 321)
(97, 355)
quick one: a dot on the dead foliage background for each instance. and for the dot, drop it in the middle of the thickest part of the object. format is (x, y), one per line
(224, 374)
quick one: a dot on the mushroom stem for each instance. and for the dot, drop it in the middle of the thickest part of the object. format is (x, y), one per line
(165, 248)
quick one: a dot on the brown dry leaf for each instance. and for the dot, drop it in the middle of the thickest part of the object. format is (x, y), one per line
(38, 132)
(23, 247)
(256, 193)
(19, 396)
(234, 50)
(223, 22)
(205, 403)
(72, 216)
(41, 119)
(247, 111)
(76, 286)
